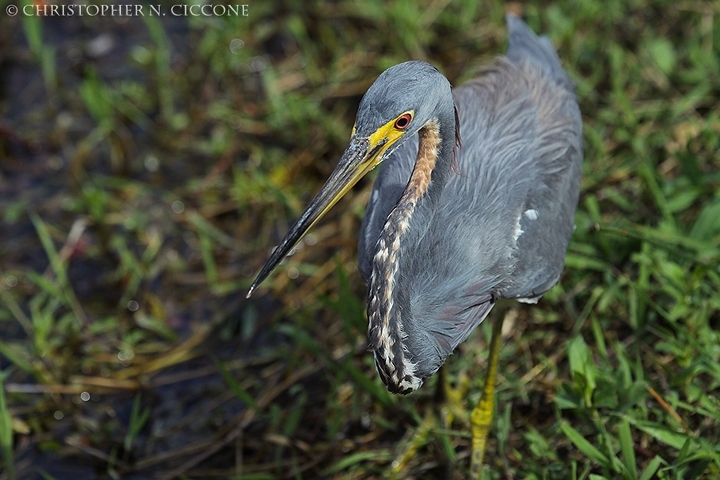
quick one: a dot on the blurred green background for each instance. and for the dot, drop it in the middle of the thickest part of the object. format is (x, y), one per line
(149, 164)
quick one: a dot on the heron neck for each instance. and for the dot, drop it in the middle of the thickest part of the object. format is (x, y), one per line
(405, 225)
(436, 138)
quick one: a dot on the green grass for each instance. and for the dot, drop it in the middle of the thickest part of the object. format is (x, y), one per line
(141, 190)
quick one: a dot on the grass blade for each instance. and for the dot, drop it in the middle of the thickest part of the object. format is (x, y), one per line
(584, 446)
(652, 468)
(6, 431)
(627, 448)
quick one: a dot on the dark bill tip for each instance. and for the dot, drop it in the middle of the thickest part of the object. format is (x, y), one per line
(345, 175)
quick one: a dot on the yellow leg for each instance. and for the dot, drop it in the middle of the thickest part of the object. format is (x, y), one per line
(482, 415)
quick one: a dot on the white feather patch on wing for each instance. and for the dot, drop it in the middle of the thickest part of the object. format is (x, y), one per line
(518, 230)
(529, 299)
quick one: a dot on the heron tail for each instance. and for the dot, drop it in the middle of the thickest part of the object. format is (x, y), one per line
(524, 45)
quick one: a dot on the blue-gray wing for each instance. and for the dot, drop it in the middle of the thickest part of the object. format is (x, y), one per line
(547, 219)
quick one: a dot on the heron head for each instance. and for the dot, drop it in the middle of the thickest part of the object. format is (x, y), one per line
(397, 105)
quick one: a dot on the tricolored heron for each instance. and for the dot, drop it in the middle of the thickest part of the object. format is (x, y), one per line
(451, 227)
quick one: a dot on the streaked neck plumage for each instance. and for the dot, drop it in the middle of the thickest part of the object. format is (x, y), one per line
(389, 315)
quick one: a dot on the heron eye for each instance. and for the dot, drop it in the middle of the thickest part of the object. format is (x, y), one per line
(403, 121)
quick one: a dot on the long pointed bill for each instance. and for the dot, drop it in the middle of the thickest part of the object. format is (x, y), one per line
(358, 159)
